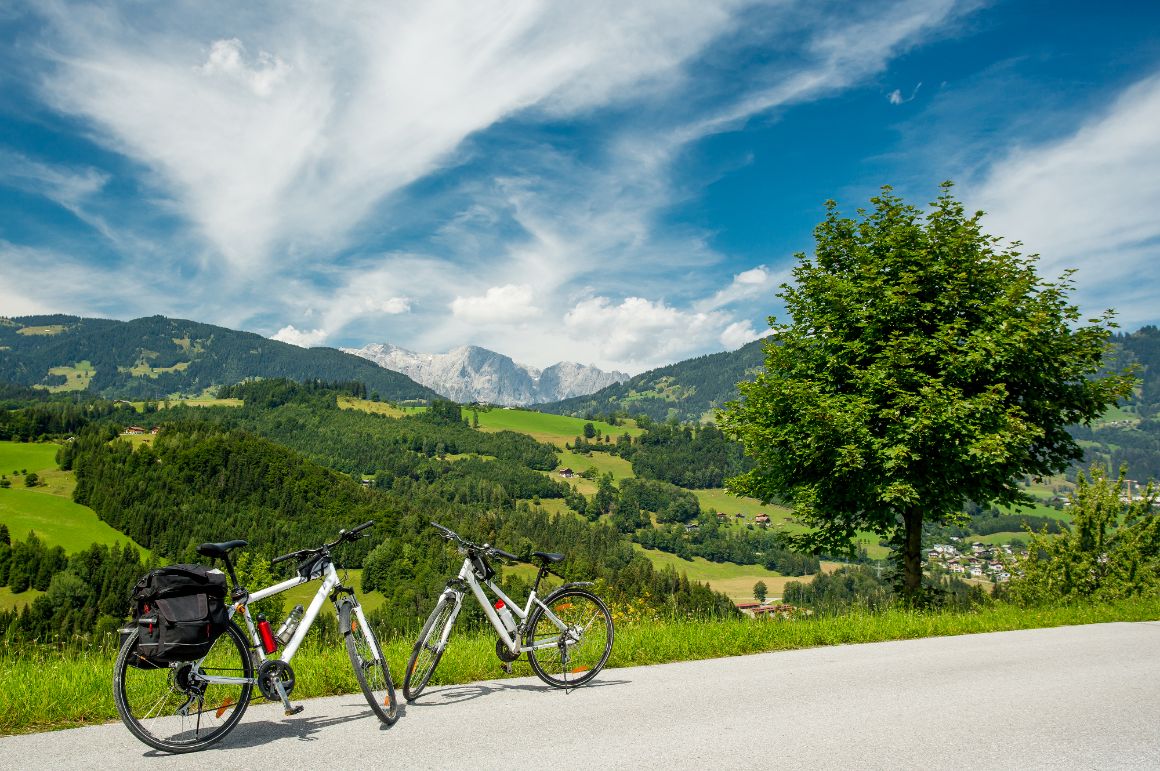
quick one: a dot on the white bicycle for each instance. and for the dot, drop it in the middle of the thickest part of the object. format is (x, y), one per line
(567, 635)
(187, 705)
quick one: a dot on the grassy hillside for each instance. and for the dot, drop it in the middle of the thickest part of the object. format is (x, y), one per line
(49, 511)
(688, 390)
(158, 357)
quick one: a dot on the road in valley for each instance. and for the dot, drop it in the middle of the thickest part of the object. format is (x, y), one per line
(1074, 697)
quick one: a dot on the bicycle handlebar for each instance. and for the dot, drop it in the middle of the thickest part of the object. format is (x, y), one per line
(488, 549)
(343, 537)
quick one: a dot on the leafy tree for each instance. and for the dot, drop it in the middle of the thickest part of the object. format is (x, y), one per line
(32, 480)
(589, 431)
(1112, 550)
(925, 364)
(760, 590)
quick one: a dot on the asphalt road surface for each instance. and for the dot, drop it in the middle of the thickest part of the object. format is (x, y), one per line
(1076, 697)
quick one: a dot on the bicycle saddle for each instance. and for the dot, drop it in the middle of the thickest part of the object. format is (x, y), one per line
(548, 556)
(218, 549)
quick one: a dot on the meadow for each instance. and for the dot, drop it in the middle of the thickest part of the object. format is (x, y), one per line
(47, 510)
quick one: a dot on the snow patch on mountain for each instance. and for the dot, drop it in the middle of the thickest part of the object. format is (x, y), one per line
(473, 374)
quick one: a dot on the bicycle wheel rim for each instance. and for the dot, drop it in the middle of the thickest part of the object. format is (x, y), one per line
(587, 640)
(371, 672)
(150, 698)
(426, 653)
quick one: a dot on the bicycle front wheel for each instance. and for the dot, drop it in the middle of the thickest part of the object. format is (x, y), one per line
(428, 650)
(369, 668)
(171, 707)
(570, 653)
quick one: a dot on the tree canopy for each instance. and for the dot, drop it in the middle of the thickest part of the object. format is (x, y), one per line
(926, 364)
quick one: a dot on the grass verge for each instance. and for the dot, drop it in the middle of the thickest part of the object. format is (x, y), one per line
(44, 689)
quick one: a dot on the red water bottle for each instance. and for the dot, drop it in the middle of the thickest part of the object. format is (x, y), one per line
(269, 644)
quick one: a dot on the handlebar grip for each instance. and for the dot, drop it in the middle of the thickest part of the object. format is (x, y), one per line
(284, 557)
(504, 554)
(361, 527)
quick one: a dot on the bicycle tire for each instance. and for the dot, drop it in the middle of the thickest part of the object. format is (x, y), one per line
(416, 678)
(373, 675)
(581, 610)
(149, 696)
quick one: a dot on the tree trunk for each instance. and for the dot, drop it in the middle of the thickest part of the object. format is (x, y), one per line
(912, 555)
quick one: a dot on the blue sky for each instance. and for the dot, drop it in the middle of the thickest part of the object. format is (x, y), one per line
(616, 184)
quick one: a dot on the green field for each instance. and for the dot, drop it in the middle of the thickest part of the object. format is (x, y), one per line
(27, 456)
(734, 580)
(10, 601)
(77, 377)
(49, 511)
(553, 429)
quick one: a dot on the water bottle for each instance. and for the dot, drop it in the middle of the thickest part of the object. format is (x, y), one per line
(505, 615)
(289, 626)
(269, 644)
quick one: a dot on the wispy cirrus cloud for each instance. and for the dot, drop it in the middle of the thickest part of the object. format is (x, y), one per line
(436, 174)
(1089, 201)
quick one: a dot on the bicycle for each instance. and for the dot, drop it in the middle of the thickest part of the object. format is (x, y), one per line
(567, 636)
(188, 705)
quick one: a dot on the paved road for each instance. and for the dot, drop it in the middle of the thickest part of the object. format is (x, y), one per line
(1076, 697)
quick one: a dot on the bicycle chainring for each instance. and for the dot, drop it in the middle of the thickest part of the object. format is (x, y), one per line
(504, 653)
(270, 670)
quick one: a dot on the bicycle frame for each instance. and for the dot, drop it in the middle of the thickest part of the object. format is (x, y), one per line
(330, 585)
(467, 576)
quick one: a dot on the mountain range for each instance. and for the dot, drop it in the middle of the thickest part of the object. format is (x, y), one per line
(473, 374)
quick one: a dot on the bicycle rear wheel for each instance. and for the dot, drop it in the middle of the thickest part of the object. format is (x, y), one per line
(571, 656)
(370, 669)
(174, 710)
(428, 650)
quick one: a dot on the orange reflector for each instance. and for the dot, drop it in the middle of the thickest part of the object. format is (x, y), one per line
(578, 670)
(564, 606)
(414, 664)
(222, 709)
(354, 626)
(387, 700)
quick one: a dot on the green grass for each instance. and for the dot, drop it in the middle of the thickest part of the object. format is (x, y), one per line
(56, 521)
(10, 601)
(49, 510)
(44, 689)
(732, 579)
(554, 429)
(29, 456)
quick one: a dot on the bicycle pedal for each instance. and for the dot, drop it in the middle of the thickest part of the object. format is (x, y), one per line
(506, 666)
(294, 710)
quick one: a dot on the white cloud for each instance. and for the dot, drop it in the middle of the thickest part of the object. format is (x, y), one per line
(300, 337)
(895, 97)
(640, 330)
(501, 304)
(1089, 201)
(227, 58)
(739, 333)
(284, 134)
(748, 285)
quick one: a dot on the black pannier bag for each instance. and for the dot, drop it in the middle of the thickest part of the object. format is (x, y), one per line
(180, 610)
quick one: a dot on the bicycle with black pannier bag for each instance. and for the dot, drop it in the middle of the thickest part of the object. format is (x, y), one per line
(186, 670)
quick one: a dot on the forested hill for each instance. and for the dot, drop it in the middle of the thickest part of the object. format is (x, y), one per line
(156, 357)
(686, 390)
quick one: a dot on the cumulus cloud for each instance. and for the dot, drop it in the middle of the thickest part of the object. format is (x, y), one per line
(750, 284)
(638, 329)
(739, 333)
(500, 304)
(300, 337)
(1089, 201)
